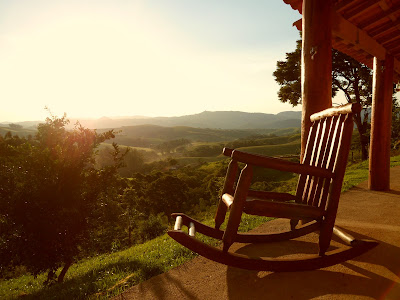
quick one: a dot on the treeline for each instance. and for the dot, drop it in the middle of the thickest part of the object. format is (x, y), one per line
(259, 141)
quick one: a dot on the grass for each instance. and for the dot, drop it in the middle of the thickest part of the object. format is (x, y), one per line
(106, 275)
(356, 173)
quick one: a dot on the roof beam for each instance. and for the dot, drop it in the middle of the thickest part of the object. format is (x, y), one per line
(383, 29)
(350, 34)
(343, 4)
(360, 9)
(379, 17)
(388, 38)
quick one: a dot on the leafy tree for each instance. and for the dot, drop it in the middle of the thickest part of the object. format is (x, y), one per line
(395, 123)
(167, 194)
(49, 190)
(348, 75)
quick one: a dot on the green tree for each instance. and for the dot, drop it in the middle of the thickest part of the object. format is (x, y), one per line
(395, 123)
(348, 75)
(49, 190)
(167, 194)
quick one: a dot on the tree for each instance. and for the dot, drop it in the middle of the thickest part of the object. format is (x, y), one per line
(49, 189)
(348, 75)
(395, 123)
(167, 194)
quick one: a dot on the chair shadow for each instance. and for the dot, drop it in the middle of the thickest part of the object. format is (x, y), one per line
(357, 280)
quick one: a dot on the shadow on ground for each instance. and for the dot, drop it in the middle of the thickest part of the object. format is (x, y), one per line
(348, 278)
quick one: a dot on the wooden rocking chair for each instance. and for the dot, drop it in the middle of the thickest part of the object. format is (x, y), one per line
(314, 205)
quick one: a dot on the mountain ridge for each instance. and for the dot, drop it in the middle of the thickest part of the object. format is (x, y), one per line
(205, 119)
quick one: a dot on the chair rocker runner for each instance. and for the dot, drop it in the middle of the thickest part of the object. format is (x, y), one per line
(314, 205)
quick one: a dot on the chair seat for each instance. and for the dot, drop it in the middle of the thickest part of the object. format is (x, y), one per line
(289, 210)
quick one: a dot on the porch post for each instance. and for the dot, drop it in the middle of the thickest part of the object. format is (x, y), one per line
(381, 122)
(316, 64)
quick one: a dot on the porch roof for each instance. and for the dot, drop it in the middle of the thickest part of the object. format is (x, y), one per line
(364, 29)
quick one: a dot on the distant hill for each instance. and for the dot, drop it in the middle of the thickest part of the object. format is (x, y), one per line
(206, 119)
(148, 135)
(22, 132)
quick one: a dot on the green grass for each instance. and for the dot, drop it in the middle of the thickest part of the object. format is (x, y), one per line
(356, 173)
(110, 274)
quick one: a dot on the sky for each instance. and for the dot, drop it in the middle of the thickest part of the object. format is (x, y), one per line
(97, 58)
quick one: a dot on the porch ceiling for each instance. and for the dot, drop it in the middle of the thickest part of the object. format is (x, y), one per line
(363, 29)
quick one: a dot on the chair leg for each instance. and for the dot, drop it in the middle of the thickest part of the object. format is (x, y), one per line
(220, 215)
(230, 177)
(325, 236)
(293, 224)
(237, 207)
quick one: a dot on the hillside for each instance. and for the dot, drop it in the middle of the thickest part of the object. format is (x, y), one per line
(206, 119)
(145, 135)
(22, 132)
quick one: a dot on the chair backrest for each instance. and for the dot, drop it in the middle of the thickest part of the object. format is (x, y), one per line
(328, 146)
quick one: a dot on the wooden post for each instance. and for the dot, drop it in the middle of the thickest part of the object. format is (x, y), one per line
(381, 123)
(316, 65)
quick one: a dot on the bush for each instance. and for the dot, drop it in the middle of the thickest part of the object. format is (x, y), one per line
(153, 227)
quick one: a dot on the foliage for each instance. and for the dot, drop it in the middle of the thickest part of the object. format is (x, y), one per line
(255, 141)
(152, 227)
(288, 76)
(395, 124)
(348, 75)
(49, 190)
(204, 150)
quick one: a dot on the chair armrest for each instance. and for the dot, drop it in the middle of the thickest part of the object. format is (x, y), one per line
(278, 164)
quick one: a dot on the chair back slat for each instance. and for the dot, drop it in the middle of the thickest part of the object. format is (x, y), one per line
(332, 157)
(310, 181)
(313, 198)
(323, 150)
(306, 160)
(330, 126)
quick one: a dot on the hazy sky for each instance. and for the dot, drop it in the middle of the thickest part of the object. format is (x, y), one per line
(141, 57)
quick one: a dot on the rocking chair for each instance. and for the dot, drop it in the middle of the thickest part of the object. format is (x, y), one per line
(314, 205)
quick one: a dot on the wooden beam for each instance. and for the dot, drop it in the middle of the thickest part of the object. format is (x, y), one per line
(381, 30)
(390, 37)
(343, 30)
(350, 33)
(316, 69)
(360, 9)
(393, 44)
(379, 162)
(343, 4)
(377, 18)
